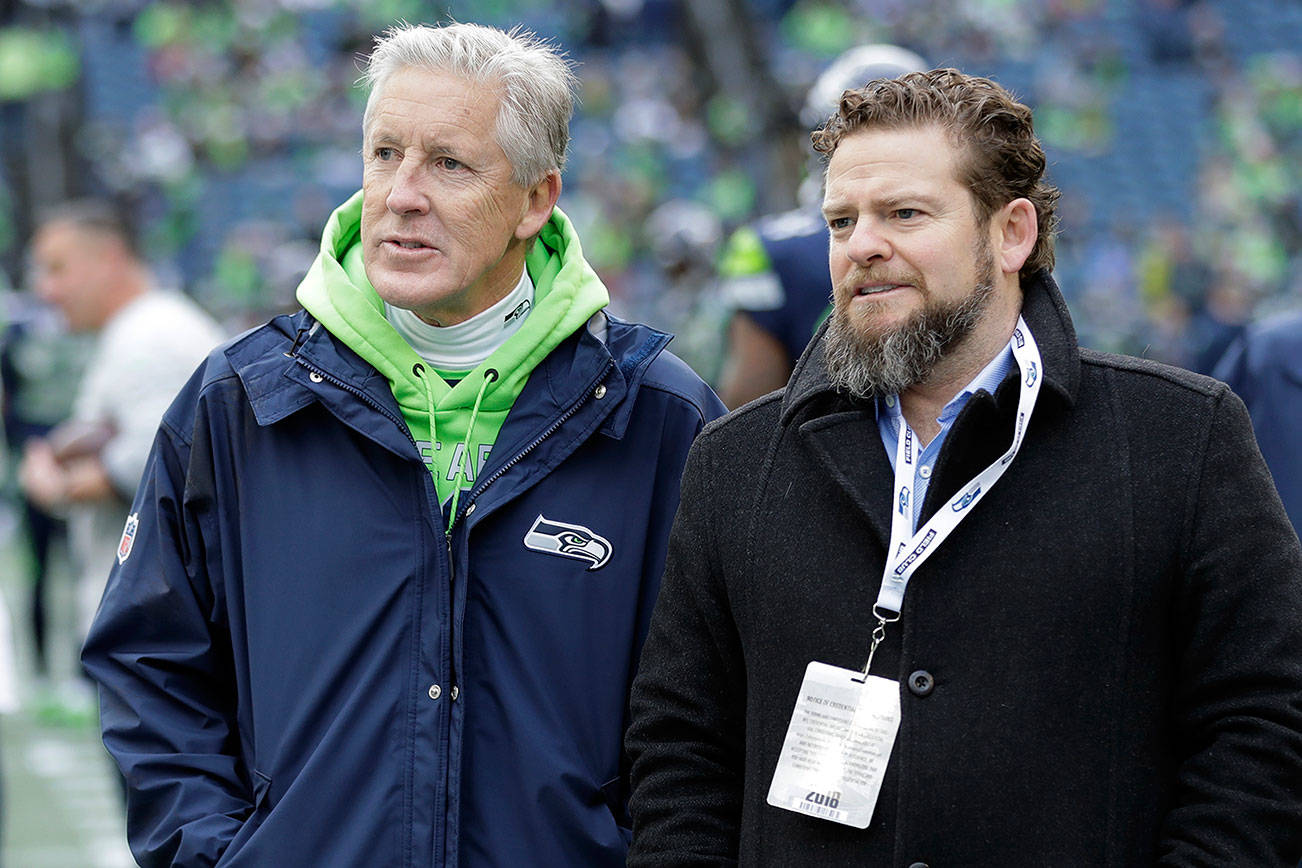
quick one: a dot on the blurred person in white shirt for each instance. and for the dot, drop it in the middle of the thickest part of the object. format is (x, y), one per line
(86, 262)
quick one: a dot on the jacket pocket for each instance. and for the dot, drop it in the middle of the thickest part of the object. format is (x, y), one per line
(615, 792)
(261, 808)
(261, 790)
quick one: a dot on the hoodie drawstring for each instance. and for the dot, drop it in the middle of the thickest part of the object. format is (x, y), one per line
(419, 370)
(490, 376)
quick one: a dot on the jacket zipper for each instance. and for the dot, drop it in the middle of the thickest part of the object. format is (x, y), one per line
(447, 538)
(479, 488)
(519, 456)
(353, 390)
(384, 411)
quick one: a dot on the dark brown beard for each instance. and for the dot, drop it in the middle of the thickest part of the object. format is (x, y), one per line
(887, 364)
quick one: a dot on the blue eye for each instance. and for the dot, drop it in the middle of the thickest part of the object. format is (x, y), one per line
(451, 164)
(906, 213)
(838, 223)
(385, 153)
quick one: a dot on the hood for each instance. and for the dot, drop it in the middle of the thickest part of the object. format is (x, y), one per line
(441, 417)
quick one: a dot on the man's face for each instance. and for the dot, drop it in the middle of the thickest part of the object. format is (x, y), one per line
(443, 224)
(912, 269)
(73, 269)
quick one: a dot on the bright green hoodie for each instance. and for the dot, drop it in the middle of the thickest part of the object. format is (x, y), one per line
(467, 416)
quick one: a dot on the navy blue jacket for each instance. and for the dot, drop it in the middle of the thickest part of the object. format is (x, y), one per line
(1264, 366)
(298, 667)
(796, 245)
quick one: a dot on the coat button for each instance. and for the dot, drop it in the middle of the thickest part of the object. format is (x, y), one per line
(599, 392)
(435, 691)
(919, 865)
(921, 683)
(315, 377)
(454, 692)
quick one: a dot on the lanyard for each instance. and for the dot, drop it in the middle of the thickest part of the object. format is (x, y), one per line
(908, 548)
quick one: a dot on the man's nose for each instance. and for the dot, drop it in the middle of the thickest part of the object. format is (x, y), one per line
(867, 242)
(407, 194)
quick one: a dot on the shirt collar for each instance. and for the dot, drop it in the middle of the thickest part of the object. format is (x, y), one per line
(988, 379)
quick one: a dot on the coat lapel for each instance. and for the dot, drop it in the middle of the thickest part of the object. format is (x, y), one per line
(842, 436)
(849, 450)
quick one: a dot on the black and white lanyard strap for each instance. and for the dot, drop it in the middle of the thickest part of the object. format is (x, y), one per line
(909, 549)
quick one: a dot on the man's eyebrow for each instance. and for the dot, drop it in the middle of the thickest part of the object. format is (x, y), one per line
(908, 197)
(377, 137)
(435, 146)
(832, 206)
(887, 202)
(431, 147)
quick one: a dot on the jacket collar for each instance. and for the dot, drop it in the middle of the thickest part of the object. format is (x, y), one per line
(278, 365)
(842, 434)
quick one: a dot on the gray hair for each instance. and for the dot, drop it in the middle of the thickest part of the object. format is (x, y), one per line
(536, 82)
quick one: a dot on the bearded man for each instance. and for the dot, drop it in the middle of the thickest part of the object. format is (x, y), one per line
(964, 593)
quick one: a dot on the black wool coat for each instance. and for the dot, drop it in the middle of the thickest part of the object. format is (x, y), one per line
(1113, 637)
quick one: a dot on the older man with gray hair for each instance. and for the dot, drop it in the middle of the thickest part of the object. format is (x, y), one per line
(381, 594)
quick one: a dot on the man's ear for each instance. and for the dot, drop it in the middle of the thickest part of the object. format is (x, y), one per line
(538, 207)
(1015, 229)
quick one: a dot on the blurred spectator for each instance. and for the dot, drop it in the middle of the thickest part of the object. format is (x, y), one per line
(8, 675)
(1218, 319)
(683, 295)
(775, 271)
(1264, 367)
(1108, 297)
(1166, 26)
(40, 365)
(149, 341)
(8, 681)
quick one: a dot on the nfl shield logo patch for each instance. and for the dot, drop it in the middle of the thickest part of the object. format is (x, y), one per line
(128, 537)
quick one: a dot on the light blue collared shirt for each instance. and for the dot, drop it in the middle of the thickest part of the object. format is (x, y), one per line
(890, 419)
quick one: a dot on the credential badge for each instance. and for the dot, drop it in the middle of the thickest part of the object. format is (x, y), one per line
(128, 537)
(568, 541)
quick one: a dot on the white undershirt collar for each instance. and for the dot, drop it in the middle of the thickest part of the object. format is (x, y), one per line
(463, 347)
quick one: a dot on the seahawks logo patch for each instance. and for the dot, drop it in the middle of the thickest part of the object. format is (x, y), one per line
(568, 541)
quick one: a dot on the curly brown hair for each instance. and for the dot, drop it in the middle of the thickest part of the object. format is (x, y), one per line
(1003, 158)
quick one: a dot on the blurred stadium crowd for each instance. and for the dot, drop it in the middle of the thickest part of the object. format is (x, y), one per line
(232, 126)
